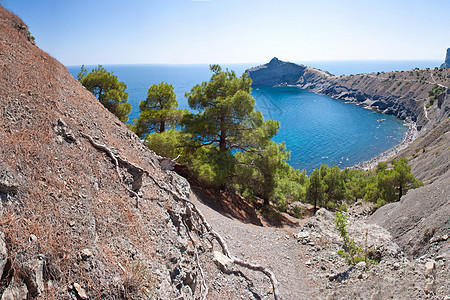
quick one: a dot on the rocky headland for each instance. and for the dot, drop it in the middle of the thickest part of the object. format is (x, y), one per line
(446, 63)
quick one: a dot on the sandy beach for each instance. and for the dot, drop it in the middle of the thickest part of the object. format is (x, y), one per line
(411, 135)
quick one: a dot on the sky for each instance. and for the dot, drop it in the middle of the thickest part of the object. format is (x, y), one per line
(95, 32)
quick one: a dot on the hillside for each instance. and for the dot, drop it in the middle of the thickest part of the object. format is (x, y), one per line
(86, 210)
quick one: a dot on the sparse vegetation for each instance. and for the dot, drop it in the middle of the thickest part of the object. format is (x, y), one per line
(350, 251)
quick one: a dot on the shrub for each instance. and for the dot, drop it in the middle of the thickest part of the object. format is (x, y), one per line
(352, 253)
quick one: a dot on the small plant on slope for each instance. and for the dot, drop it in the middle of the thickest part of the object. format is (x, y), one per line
(352, 253)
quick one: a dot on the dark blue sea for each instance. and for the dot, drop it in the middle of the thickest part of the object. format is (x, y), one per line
(316, 129)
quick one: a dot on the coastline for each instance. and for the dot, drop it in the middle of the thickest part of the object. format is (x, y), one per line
(411, 136)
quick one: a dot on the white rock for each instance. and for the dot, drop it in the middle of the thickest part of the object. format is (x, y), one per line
(222, 261)
(80, 291)
(86, 253)
(430, 268)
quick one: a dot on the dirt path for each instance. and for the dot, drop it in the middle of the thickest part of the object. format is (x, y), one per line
(271, 247)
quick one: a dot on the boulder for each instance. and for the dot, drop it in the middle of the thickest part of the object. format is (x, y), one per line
(9, 179)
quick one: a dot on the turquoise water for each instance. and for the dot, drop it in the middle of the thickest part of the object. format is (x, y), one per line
(316, 129)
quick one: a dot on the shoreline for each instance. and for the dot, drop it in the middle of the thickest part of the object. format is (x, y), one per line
(372, 163)
(411, 136)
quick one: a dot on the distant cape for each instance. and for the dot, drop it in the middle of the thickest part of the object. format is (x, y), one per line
(446, 64)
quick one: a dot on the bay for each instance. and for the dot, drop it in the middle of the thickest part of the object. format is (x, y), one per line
(315, 128)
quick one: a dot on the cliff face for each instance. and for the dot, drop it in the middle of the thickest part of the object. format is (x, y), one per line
(86, 210)
(446, 63)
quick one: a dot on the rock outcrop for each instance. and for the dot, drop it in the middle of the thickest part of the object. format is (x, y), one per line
(276, 72)
(420, 222)
(446, 63)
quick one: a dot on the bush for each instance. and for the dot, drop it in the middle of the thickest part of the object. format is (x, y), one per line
(352, 253)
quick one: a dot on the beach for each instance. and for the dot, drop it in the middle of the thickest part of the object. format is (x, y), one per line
(410, 136)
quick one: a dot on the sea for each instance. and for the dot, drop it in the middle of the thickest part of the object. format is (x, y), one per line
(316, 129)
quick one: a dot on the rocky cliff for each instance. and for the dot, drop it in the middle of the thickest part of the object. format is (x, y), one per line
(446, 63)
(86, 211)
(276, 72)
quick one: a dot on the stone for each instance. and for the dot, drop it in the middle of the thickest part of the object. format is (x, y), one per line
(430, 269)
(302, 235)
(86, 253)
(62, 131)
(222, 261)
(81, 293)
(34, 276)
(33, 238)
(9, 179)
(3, 252)
(332, 277)
(430, 287)
(361, 265)
(376, 296)
(167, 164)
(15, 291)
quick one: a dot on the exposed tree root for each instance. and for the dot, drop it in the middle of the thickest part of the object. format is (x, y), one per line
(222, 242)
(116, 158)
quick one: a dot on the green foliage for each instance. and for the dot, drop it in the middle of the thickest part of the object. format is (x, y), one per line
(108, 90)
(227, 142)
(226, 117)
(314, 190)
(168, 143)
(158, 110)
(434, 93)
(393, 183)
(228, 127)
(350, 251)
(265, 173)
(31, 37)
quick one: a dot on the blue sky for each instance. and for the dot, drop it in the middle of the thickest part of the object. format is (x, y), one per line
(235, 31)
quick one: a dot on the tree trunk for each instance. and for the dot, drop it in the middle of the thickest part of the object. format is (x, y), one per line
(162, 126)
(400, 192)
(223, 137)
